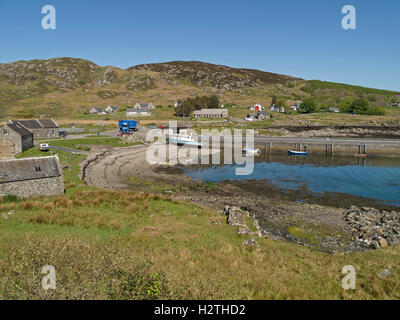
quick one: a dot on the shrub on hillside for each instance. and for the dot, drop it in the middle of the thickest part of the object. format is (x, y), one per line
(187, 106)
(360, 106)
(308, 106)
(10, 198)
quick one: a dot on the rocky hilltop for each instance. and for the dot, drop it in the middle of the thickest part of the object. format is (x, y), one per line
(74, 73)
(216, 76)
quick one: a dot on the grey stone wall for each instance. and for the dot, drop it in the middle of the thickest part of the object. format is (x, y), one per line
(34, 188)
(20, 143)
(26, 143)
(44, 133)
(7, 148)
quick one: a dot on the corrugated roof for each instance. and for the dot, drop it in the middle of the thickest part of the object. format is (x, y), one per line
(211, 111)
(137, 110)
(38, 123)
(29, 169)
(30, 124)
(48, 123)
(22, 131)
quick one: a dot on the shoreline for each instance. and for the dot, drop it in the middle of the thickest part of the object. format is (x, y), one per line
(318, 226)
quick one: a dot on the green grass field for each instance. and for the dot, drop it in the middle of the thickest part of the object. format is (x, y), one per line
(85, 144)
(122, 245)
(109, 244)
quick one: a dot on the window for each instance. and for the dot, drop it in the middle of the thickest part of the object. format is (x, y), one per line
(37, 169)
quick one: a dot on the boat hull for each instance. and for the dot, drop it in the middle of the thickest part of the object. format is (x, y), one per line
(184, 142)
(297, 153)
(251, 151)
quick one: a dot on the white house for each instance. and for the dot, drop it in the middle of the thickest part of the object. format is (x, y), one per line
(141, 105)
(257, 107)
(138, 112)
(334, 110)
(110, 109)
(296, 106)
(277, 109)
(97, 110)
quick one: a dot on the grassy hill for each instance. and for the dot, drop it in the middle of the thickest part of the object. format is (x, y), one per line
(67, 87)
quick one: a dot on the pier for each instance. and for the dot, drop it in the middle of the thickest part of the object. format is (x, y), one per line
(331, 146)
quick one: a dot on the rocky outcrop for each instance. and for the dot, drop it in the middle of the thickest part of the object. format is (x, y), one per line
(375, 229)
(219, 77)
(108, 77)
(141, 83)
(237, 218)
(251, 242)
(60, 72)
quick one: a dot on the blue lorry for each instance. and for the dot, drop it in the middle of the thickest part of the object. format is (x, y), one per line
(128, 126)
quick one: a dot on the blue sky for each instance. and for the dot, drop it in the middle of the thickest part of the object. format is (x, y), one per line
(299, 38)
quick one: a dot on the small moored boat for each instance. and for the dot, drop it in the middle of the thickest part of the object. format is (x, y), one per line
(297, 153)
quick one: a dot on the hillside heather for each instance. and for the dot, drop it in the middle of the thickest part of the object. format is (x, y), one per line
(68, 87)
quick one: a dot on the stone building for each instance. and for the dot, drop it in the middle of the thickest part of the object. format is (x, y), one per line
(211, 113)
(31, 177)
(14, 139)
(111, 109)
(141, 105)
(41, 128)
(97, 110)
(132, 112)
(261, 115)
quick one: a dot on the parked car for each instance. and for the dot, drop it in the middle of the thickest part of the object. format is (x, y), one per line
(121, 134)
(44, 147)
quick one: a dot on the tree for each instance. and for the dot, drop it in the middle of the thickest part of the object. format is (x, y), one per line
(280, 103)
(186, 107)
(308, 106)
(345, 104)
(359, 106)
(274, 100)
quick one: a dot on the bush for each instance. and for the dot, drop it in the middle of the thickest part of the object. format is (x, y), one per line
(360, 106)
(10, 198)
(377, 111)
(308, 106)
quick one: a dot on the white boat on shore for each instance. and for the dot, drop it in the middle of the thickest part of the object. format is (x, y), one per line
(251, 151)
(182, 140)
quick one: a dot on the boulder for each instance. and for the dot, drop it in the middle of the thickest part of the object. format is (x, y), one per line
(235, 217)
(374, 228)
(383, 243)
(251, 243)
(384, 274)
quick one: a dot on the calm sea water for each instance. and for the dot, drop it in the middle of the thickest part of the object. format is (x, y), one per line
(376, 178)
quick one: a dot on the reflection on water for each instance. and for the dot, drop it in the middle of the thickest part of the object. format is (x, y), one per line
(373, 177)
